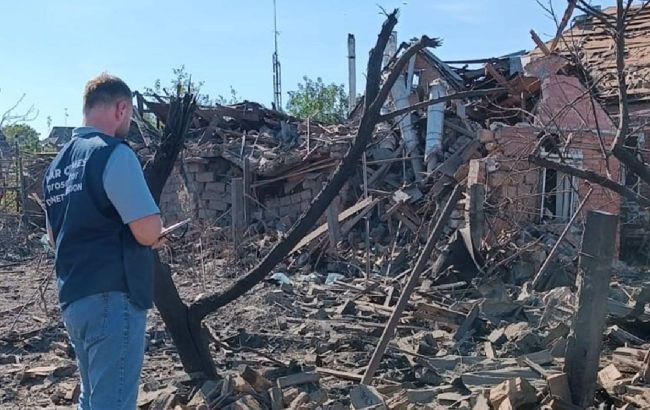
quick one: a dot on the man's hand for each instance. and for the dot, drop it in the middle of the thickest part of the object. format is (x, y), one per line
(159, 243)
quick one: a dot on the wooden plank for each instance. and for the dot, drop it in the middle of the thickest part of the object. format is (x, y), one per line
(566, 17)
(339, 374)
(477, 214)
(238, 210)
(538, 41)
(349, 224)
(342, 217)
(494, 377)
(585, 339)
(503, 82)
(333, 228)
(411, 283)
(297, 379)
(467, 323)
(438, 313)
(489, 350)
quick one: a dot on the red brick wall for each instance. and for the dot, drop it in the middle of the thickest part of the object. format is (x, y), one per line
(513, 184)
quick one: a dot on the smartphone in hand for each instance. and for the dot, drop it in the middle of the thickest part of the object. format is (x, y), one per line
(166, 231)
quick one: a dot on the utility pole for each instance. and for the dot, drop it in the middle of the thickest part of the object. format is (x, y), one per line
(277, 72)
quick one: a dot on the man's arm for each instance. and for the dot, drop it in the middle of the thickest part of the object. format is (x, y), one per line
(127, 189)
(147, 230)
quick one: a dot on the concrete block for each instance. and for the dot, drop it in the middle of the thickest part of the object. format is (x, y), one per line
(306, 195)
(194, 167)
(205, 177)
(215, 187)
(218, 205)
(206, 195)
(285, 200)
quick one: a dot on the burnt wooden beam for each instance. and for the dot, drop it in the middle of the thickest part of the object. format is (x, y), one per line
(586, 337)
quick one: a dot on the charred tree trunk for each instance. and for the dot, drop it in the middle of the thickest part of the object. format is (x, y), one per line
(187, 334)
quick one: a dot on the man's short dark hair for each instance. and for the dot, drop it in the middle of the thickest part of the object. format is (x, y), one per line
(105, 89)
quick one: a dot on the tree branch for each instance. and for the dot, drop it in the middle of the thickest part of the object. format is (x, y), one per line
(591, 177)
(623, 113)
(590, 10)
(7, 118)
(457, 96)
(563, 23)
(619, 149)
(397, 69)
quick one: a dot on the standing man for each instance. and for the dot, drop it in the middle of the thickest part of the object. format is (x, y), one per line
(103, 222)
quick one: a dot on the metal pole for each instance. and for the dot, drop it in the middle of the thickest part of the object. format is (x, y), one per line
(352, 73)
(367, 217)
(277, 73)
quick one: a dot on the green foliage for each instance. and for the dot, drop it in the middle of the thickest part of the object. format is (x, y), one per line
(179, 83)
(24, 134)
(232, 99)
(325, 103)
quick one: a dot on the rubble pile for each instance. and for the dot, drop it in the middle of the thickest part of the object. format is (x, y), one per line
(449, 272)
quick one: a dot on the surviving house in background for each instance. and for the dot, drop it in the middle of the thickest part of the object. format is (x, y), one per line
(57, 138)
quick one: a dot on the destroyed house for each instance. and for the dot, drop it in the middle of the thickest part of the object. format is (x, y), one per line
(588, 44)
(278, 163)
(264, 167)
(532, 104)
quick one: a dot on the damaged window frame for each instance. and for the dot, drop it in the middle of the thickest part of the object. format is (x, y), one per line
(569, 194)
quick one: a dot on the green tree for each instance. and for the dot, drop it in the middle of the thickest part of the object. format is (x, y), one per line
(180, 81)
(24, 134)
(232, 99)
(326, 103)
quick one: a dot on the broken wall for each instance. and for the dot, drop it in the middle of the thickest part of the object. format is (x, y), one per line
(200, 188)
(515, 189)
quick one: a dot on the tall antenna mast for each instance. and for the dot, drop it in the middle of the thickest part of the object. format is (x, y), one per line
(277, 73)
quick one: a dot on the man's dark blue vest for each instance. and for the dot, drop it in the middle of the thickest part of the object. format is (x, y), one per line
(95, 251)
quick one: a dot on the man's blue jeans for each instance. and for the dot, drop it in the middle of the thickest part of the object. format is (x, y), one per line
(107, 333)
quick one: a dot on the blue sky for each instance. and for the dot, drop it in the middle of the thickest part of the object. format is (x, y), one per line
(49, 49)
